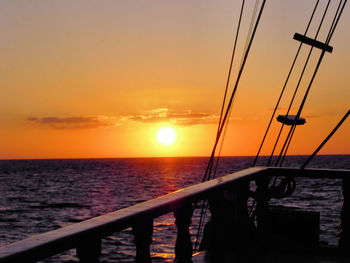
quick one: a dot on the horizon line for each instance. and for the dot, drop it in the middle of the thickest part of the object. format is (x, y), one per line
(153, 157)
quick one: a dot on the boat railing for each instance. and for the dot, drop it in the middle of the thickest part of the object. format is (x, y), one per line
(86, 236)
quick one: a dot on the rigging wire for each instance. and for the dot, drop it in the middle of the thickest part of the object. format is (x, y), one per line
(221, 145)
(227, 83)
(325, 140)
(297, 88)
(253, 17)
(250, 27)
(205, 206)
(288, 144)
(331, 32)
(212, 156)
(236, 83)
(327, 41)
(231, 64)
(287, 141)
(336, 13)
(228, 109)
(284, 86)
(335, 21)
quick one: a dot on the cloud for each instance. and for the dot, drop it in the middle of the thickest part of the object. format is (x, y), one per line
(176, 117)
(183, 118)
(74, 122)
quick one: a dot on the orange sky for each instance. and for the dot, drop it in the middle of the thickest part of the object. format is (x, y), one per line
(86, 79)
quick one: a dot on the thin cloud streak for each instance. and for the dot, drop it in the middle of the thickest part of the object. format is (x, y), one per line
(88, 122)
(181, 118)
(184, 118)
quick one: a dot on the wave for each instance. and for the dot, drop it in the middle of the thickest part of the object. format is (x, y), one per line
(59, 205)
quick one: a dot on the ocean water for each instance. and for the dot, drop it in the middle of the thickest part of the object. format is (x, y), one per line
(42, 195)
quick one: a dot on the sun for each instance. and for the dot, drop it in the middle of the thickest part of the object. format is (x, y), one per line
(166, 136)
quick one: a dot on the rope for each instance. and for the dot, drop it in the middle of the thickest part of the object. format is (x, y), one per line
(290, 182)
(231, 63)
(283, 89)
(230, 110)
(221, 146)
(210, 164)
(331, 32)
(288, 140)
(250, 27)
(207, 176)
(224, 119)
(325, 140)
(294, 94)
(333, 22)
(226, 89)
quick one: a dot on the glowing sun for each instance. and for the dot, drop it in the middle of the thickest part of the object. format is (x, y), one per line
(166, 136)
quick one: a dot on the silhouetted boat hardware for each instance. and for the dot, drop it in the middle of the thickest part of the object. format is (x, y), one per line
(290, 120)
(86, 235)
(313, 42)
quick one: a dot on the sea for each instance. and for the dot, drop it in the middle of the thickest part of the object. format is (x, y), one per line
(37, 196)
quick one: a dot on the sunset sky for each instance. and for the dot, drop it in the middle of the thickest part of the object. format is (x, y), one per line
(100, 78)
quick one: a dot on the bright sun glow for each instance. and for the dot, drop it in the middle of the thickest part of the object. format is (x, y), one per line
(166, 136)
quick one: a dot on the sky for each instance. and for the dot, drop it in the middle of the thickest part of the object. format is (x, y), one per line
(100, 78)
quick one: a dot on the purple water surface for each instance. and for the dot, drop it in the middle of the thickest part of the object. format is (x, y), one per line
(42, 195)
